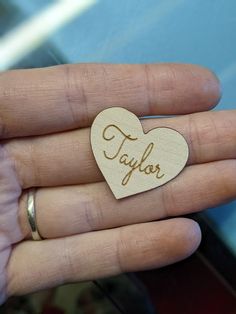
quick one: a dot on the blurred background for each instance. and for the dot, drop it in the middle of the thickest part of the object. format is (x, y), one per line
(43, 32)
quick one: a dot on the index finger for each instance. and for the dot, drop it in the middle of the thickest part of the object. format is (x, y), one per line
(55, 99)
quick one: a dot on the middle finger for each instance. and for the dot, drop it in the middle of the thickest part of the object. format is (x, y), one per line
(66, 158)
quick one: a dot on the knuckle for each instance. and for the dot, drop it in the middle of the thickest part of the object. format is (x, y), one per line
(194, 138)
(169, 201)
(148, 87)
(121, 249)
(75, 94)
(93, 214)
(68, 265)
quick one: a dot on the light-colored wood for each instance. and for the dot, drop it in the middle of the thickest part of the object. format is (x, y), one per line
(130, 160)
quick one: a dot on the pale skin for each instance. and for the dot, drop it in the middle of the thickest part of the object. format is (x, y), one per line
(45, 116)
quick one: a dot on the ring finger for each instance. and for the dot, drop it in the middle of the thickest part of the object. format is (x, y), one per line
(68, 210)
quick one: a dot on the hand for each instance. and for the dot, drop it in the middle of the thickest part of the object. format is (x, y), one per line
(45, 119)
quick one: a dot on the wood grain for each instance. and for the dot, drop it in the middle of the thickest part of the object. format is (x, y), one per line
(130, 160)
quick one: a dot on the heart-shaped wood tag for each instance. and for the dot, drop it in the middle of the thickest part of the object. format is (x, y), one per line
(133, 161)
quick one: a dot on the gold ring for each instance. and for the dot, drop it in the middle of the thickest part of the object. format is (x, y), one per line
(31, 213)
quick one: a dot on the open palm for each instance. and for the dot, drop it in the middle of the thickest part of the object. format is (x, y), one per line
(45, 119)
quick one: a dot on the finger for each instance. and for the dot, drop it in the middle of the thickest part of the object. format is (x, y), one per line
(66, 97)
(65, 211)
(40, 265)
(67, 158)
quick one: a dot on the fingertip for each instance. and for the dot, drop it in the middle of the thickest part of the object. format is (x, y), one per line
(184, 88)
(190, 237)
(211, 87)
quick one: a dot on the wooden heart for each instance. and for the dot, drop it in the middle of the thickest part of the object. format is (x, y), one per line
(133, 161)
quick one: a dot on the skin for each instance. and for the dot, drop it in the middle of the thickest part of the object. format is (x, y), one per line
(45, 115)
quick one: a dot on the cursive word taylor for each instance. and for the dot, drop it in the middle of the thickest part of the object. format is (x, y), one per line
(125, 159)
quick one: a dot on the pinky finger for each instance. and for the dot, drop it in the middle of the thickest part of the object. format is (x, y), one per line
(39, 265)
